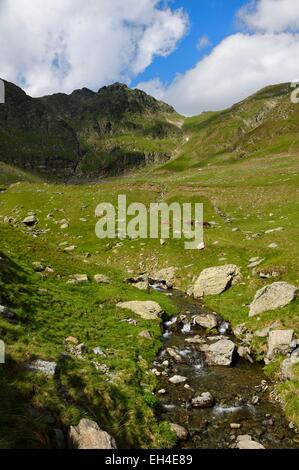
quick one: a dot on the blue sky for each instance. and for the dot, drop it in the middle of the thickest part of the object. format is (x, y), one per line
(215, 19)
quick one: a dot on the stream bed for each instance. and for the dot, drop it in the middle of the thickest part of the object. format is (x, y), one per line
(241, 391)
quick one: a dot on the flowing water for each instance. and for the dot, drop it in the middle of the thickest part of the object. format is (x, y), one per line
(241, 392)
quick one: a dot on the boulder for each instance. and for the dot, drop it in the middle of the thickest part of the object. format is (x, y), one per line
(177, 379)
(88, 435)
(246, 442)
(174, 354)
(38, 267)
(219, 353)
(78, 279)
(206, 320)
(102, 279)
(143, 285)
(30, 221)
(271, 297)
(215, 280)
(205, 400)
(287, 368)
(164, 276)
(279, 342)
(148, 310)
(180, 431)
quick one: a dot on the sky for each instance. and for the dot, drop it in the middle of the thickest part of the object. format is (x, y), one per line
(197, 55)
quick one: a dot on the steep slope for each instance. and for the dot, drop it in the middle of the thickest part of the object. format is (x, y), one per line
(86, 134)
(265, 123)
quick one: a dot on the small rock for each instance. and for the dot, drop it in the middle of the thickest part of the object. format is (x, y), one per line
(145, 334)
(180, 431)
(78, 279)
(162, 391)
(235, 426)
(38, 267)
(102, 279)
(205, 400)
(208, 320)
(246, 442)
(177, 379)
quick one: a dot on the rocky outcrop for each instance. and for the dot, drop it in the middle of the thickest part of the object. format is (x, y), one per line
(271, 297)
(148, 310)
(215, 280)
(51, 136)
(88, 435)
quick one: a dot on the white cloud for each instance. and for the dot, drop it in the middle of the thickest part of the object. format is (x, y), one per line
(242, 63)
(203, 42)
(154, 87)
(271, 15)
(60, 45)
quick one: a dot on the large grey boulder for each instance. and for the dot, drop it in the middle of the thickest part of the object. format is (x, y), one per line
(148, 310)
(220, 353)
(287, 371)
(215, 280)
(279, 342)
(164, 276)
(88, 435)
(271, 297)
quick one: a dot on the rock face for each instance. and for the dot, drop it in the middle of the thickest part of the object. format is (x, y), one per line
(215, 280)
(148, 310)
(205, 400)
(164, 276)
(246, 442)
(88, 435)
(219, 353)
(271, 297)
(57, 123)
(279, 342)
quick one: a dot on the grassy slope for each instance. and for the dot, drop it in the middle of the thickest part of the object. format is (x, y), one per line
(257, 193)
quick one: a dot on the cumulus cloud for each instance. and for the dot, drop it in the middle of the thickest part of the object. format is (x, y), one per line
(271, 15)
(60, 45)
(242, 63)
